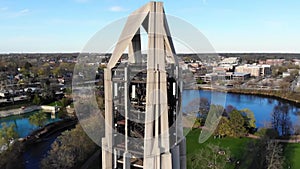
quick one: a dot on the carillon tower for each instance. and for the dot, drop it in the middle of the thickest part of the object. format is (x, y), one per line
(142, 97)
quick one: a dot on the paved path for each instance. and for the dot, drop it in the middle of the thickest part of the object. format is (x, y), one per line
(293, 139)
(18, 111)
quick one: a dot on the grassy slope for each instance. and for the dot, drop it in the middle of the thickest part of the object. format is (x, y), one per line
(292, 155)
(236, 146)
(238, 149)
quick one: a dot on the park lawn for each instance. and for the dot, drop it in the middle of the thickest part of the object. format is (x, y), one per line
(238, 149)
(237, 146)
(292, 155)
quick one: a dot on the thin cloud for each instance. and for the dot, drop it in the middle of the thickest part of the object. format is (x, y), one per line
(21, 13)
(24, 11)
(5, 13)
(117, 9)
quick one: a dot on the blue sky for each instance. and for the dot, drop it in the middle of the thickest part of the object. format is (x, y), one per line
(230, 25)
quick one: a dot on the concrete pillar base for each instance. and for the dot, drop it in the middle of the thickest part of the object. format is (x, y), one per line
(166, 160)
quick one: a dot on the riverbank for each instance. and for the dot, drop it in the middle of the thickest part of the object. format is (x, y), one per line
(37, 140)
(24, 110)
(287, 96)
(276, 94)
(42, 133)
(18, 111)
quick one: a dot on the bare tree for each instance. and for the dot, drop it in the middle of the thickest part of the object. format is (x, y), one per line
(280, 120)
(274, 155)
(211, 156)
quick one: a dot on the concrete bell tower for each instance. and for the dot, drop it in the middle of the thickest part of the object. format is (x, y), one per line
(143, 121)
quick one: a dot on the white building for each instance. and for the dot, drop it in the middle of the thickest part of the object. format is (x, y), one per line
(286, 74)
(254, 70)
(230, 61)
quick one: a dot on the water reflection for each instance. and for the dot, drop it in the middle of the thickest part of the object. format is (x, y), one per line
(262, 107)
(23, 126)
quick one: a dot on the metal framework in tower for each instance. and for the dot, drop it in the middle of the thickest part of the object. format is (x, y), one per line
(142, 97)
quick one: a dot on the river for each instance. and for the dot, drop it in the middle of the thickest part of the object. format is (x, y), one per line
(262, 107)
(32, 155)
(23, 126)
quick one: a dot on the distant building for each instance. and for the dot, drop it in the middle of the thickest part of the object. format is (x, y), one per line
(240, 76)
(296, 61)
(223, 68)
(274, 61)
(230, 61)
(254, 70)
(286, 74)
(227, 64)
(209, 77)
(266, 70)
(226, 76)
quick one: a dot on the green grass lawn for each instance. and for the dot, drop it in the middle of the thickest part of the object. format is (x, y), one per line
(236, 145)
(238, 148)
(292, 155)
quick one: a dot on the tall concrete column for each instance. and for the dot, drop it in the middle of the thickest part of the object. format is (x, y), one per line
(157, 153)
(108, 143)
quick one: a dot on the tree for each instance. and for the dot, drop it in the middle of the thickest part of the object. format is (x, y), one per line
(211, 156)
(274, 156)
(48, 96)
(64, 102)
(200, 81)
(7, 134)
(198, 123)
(280, 120)
(36, 100)
(236, 122)
(249, 119)
(69, 150)
(39, 119)
(44, 70)
(56, 71)
(266, 153)
(223, 128)
(27, 66)
(275, 118)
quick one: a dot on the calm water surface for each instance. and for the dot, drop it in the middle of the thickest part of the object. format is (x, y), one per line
(33, 154)
(23, 126)
(262, 107)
